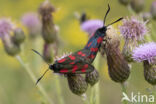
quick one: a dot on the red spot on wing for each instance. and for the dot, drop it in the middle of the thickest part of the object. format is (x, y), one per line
(99, 40)
(63, 70)
(83, 70)
(74, 69)
(72, 57)
(86, 66)
(83, 55)
(72, 63)
(94, 49)
(91, 56)
(89, 44)
(79, 53)
(62, 60)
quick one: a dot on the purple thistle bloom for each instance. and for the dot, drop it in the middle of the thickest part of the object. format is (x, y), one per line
(133, 29)
(32, 22)
(144, 52)
(5, 27)
(91, 26)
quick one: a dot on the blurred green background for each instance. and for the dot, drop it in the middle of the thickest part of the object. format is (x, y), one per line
(16, 86)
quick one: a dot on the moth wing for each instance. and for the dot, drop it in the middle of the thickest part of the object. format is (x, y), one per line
(77, 67)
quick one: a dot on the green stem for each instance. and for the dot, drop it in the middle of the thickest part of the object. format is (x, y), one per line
(97, 92)
(34, 79)
(59, 91)
(123, 86)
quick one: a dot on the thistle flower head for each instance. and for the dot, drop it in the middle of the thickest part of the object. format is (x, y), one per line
(91, 26)
(145, 52)
(133, 29)
(32, 22)
(5, 26)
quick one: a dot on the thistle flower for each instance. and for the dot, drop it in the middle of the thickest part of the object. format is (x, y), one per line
(153, 9)
(118, 68)
(32, 23)
(19, 36)
(146, 53)
(90, 26)
(77, 84)
(93, 77)
(137, 5)
(6, 27)
(133, 30)
(49, 30)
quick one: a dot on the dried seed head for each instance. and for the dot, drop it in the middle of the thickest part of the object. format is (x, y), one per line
(150, 72)
(33, 24)
(47, 52)
(93, 77)
(19, 36)
(49, 30)
(77, 84)
(124, 2)
(137, 5)
(117, 66)
(45, 9)
(153, 9)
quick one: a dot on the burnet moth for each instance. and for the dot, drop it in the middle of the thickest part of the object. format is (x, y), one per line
(80, 62)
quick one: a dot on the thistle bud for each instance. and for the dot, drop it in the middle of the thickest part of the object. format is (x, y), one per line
(124, 2)
(19, 36)
(49, 30)
(77, 84)
(153, 9)
(47, 52)
(6, 27)
(137, 5)
(150, 73)
(118, 68)
(93, 77)
(11, 48)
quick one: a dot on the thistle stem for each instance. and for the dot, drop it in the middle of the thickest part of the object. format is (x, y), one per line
(123, 86)
(34, 79)
(59, 91)
(97, 92)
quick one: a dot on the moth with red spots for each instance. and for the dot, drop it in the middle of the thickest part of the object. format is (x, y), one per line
(80, 61)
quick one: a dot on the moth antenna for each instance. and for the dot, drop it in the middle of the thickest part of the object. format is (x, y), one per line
(39, 55)
(42, 76)
(106, 15)
(115, 21)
